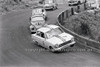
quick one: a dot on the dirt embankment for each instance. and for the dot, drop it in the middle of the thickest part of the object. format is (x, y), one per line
(86, 24)
(10, 5)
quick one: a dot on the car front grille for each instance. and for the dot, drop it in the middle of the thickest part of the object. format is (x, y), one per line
(65, 43)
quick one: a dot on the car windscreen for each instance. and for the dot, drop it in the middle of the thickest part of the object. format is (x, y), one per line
(54, 32)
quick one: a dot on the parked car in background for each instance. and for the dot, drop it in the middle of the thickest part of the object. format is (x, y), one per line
(75, 2)
(53, 38)
(50, 4)
(39, 11)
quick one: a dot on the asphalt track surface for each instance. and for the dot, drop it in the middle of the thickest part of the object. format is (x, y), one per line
(17, 48)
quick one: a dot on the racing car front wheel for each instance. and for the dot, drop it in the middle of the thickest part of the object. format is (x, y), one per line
(51, 49)
(72, 45)
(29, 19)
(46, 18)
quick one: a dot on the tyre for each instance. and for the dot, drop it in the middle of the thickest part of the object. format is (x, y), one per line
(32, 29)
(29, 19)
(46, 18)
(53, 8)
(70, 5)
(72, 45)
(51, 49)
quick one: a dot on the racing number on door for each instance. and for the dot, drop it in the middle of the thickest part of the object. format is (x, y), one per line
(38, 23)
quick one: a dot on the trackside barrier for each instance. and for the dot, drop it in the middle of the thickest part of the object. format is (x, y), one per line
(95, 45)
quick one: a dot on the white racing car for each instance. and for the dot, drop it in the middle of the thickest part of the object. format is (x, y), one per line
(53, 38)
(38, 11)
(50, 4)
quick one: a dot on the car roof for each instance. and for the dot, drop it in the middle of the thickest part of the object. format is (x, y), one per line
(52, 26)
(47, 28)
(44, 29)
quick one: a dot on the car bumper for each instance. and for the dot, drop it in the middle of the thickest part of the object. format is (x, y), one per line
(48, 7)
(65, 46)
(73, 4)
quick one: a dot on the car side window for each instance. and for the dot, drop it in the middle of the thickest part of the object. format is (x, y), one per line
(42, 10)
(41, 34)
(38, 33)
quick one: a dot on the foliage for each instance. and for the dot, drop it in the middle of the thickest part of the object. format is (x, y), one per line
(86, 24)
(10, 5)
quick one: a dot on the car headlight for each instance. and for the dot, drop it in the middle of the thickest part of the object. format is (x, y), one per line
(56, 46)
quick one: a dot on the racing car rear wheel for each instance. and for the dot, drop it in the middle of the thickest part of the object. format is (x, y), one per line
(46, 18)
(72, 45)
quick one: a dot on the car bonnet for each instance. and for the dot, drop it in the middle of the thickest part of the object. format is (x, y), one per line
(59, 39)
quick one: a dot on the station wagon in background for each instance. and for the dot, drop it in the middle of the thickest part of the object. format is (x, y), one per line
(39, 11)
(53, 38)
(50, 4)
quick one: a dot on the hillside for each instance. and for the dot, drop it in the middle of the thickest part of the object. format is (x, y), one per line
(10, 5)
(85, 24)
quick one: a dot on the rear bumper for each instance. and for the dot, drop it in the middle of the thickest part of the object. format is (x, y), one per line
(48, 7)
(65, 46)
(72, 4)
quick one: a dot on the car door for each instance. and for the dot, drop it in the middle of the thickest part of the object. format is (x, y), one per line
(40, 38)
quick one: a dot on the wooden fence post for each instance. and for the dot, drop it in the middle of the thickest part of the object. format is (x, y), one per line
(66, 13)
(78, 8)
(72, 11)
